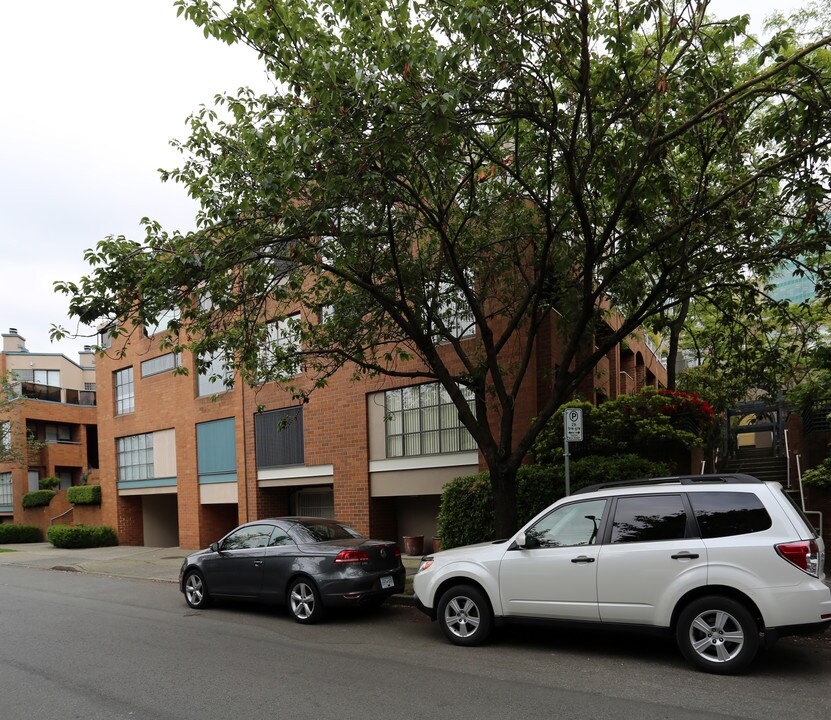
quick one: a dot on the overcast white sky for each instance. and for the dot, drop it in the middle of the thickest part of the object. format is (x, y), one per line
(92, 92)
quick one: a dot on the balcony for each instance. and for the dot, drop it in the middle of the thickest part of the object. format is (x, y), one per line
(49, 393)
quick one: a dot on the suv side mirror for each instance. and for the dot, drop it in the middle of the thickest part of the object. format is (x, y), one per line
(527, 542)
(215, 547)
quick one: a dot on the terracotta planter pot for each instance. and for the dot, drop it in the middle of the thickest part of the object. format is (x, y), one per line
(436, 544)
(414, 544)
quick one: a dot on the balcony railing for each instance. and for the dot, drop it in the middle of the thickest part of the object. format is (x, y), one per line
(36, 391)
(816, 416)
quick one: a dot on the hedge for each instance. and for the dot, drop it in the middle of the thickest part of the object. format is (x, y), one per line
(466, 513)
(19, 533)
(38, 498)
(84, 494)
(81, 536)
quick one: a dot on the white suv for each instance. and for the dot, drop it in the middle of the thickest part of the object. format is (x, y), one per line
(721, 561)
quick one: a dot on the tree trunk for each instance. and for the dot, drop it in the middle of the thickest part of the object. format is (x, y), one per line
(503, 483)
(675, 328)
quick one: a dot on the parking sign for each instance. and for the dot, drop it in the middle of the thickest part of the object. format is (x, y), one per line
(573, 418)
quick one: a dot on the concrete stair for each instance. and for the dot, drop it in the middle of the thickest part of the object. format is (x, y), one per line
(760, 463)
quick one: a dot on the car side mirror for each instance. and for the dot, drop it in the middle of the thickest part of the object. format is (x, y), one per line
(527, 542)
(215, 547)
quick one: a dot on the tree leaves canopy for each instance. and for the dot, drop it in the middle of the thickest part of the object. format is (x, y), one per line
(423, 170)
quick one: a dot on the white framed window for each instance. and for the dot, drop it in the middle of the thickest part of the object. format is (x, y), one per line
(453, 311)
(163, 363)
(162, 321)
(5, 436)
(283, 337)
(134, 454)
(422, 420)
(6, 489)
(125, 398)
(212, 380)
(50, 378)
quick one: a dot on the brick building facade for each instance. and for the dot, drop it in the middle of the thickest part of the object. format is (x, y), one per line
(57, 408)
(185, 460)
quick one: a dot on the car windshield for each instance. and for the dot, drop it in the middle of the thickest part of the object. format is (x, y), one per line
(323, 530)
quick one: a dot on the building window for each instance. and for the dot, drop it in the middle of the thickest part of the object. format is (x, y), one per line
(163, 363)
(214, 378)
(57, 433)
(50, 378)
(90, 387)
(216, 451)
(6, 490)
(279, 437)
(162, 322)
(125, 399)
(5, 437)
(134, 454)
(283, 340)
(422, 420)
(315, 502)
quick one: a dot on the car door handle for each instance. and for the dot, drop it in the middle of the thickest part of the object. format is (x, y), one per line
(582, 559)
(257, 563)
(685, 556)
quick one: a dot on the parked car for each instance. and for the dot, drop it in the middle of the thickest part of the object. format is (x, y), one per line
(723, 562)
(306, 563)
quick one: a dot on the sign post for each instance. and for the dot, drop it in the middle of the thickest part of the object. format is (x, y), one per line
(572, 432)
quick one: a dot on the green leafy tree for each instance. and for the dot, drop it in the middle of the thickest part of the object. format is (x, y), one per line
(442, 177)
(744, 344)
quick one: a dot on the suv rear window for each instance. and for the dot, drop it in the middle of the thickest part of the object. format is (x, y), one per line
(723, 514)
(648, 518)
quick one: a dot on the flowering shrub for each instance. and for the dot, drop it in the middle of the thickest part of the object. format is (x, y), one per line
(677, 402)
(659, 425)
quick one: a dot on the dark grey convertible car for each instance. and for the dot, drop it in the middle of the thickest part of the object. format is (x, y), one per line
(305, 563)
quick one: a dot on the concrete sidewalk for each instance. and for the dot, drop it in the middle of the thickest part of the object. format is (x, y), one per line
(159, 564)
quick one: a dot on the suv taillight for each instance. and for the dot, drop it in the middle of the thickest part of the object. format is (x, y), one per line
(352, 556)
(803, 554)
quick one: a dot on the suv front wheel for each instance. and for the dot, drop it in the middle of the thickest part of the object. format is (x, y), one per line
(464, 615)
(717, 635)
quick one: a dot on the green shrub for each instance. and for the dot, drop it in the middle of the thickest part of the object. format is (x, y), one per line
(820, 476)
(84, 495)
(38, 498)
(49, 483)
(658, 425)
(466, 512)
(81, 536)
(19, 533)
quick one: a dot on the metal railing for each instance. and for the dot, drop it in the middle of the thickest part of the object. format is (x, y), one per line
(58, 517)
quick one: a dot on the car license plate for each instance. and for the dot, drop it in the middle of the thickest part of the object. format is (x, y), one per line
(387, 582)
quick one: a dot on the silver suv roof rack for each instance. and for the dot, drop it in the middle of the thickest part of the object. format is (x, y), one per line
(720, 478)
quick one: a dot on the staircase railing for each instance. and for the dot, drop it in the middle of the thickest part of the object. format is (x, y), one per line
(58, 517)
(788, 461)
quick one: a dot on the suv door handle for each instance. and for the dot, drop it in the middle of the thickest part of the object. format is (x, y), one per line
(685, 556)
(257, 563)
(582, 559)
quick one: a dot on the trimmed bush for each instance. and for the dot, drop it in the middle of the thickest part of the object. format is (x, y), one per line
(38, 498)
(19, 534)
(81, 536)
(49, 483)
(466, 513)
(84, 494)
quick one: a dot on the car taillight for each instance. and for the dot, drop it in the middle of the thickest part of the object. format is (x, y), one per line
(397, 551)
(352, 556)
(803, 554)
